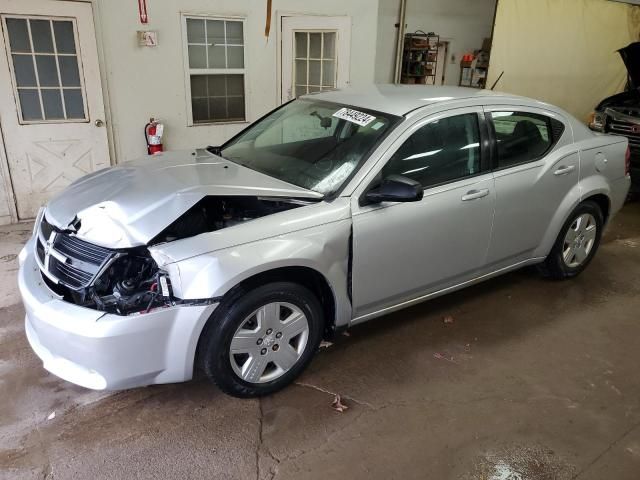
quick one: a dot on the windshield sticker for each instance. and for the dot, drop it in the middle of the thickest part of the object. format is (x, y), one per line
(377, 126)
(354, 116)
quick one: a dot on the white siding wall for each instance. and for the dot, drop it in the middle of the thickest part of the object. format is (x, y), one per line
(149, 81)
(465, 23)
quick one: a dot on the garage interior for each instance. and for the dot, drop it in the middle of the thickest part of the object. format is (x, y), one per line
(516, 378)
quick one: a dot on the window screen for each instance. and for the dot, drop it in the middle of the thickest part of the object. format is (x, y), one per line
(46, 69)
(523, 137)
(441, 151)
(215, 51)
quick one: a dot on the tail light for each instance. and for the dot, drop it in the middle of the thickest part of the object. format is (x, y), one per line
(627, 162)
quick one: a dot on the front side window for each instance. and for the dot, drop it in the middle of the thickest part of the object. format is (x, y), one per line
(215, 69)
(441, 151)
(310, 143)
(523, 137)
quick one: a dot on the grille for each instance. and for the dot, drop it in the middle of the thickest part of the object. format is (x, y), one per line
(628, 129)
(68, 260)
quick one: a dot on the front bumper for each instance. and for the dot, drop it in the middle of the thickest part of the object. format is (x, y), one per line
(104, 351)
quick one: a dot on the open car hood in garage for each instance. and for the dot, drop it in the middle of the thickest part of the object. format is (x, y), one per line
(631, 58)
(129, 205)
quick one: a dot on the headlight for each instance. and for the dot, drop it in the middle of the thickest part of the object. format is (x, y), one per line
(38, 220)
(597, 121)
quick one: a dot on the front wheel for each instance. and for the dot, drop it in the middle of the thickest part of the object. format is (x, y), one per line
(577, 242)
(259, 341)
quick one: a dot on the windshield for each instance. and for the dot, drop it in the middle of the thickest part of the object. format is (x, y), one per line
(313, 144)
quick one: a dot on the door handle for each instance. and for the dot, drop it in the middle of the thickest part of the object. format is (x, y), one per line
(565, 169)
(474, 194)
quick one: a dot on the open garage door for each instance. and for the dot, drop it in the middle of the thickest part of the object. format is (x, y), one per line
(563, 52)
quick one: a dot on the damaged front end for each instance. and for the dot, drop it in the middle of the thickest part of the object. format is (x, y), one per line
(128, 281)
(113, 281)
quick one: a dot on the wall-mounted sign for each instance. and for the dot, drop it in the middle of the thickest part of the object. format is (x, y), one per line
(142, 11)
(148, 38)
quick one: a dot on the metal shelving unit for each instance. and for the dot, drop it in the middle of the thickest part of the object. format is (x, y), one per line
(420, 58)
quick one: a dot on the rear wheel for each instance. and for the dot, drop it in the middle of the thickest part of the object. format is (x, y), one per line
(259, 341)
(577, 242)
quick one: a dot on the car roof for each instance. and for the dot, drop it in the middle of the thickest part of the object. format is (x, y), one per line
(401, 99)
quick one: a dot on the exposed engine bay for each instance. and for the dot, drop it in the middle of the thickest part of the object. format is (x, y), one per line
(215, 213)
(128, 281)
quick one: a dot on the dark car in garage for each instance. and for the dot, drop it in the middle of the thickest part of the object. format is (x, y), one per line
(620, 114)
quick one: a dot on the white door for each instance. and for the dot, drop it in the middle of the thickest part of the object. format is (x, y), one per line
(52, 113)
(441, 63)
(315, 54)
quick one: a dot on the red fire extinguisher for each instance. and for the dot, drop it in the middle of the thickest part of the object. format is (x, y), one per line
(153, 136)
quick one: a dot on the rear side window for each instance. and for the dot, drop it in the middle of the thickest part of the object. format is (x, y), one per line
(523, 136)
(441, 151)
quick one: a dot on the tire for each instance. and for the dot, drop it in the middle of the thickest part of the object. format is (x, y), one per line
(571, 253)
(266, 355)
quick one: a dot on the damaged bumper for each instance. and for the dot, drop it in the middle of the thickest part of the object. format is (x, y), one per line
(106, 351)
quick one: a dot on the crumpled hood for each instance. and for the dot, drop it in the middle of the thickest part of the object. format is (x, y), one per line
(130, 204)
(631, 58)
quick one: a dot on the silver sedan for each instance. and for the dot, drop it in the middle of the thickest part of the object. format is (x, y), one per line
(331, 210)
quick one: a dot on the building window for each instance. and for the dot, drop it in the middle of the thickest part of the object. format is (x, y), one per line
(216, 69)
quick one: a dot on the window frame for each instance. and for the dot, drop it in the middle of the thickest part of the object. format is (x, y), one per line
(56, 55)
(522, 110)
(188, 71)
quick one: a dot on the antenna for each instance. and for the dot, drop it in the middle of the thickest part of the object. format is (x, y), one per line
(496, 82)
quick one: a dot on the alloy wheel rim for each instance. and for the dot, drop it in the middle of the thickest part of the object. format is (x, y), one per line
(579, 240)
(269, 342)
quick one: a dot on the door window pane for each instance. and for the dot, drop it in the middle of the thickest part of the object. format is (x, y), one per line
(30, 104)
(25, 74)
(18, 35)
(314, 73)
(51, 71)
(521, 136)
(52, 104)
(73, 103)
(69, 71)
(300, 45)
(41, 36)
(441, 151)
(329, 45)
(47, 70)
(65, 38)
(301, 72)
(315, 45)
(328, 73)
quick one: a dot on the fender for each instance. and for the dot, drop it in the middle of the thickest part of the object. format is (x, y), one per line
(585, 188)
(324, 248)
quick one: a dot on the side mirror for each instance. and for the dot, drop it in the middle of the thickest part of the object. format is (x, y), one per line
(396, 188)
